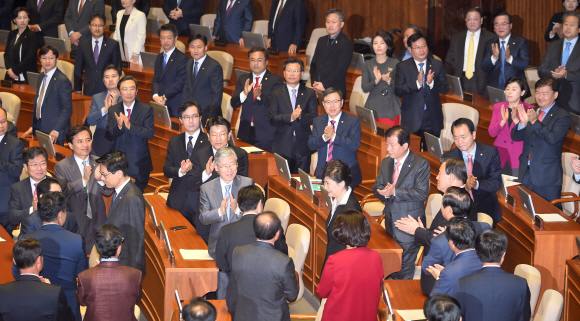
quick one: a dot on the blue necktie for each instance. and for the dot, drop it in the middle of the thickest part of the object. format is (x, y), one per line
(178, 2)
(164, 60)
(195, 69)
(228, 188)
(566, 54)
(189, 147)
(421, 64)
(502, 67)
(114, 197)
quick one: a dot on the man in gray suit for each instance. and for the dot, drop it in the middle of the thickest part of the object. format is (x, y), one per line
(265, 277)
(77, 18)
(403, 185)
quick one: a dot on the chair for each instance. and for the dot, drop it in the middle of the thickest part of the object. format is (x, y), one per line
(484, 218)
(94, 257)
(178, 44)
(313, 163)
(534, 279)
(373, 206)
(532, 77)
(550, 307)
(261, 188)
(208, 20)
(108, 15)
(2, 66)
(261, 27)
(451, 112)
(227, 109)
(357, 97)
(315, 317)
(432, 208)
(298, 240)
(67, 69)
(570, 189)
(237, 126)
(11, 104)
(310, 48)
(281, 208)
(63, 34)
(158, 14)
(226, 61)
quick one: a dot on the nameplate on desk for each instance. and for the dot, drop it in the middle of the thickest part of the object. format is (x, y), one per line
(220, 43)
(124, 64)
(295, 184)
(538, 222)
(467, 97)
(59, 156)
(73, 55)
(316, 200)
(273, 51)
(6, 84)
(381, 131)
(172, 259)
(158, 232)
(511, 200)
(175, 126)
(25, 142)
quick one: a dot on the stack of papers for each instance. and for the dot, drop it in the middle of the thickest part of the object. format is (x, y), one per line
(251, 149)
(411, 315)
(2, 240)
(195, 254)
(552, 217)
(509, 180)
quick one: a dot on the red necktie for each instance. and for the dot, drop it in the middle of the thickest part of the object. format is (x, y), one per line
(470, 169)
(35, 188)
(542, 113)
(256, 84)
(81, 7)
(330, 145)
(396, 173)
(129, 114)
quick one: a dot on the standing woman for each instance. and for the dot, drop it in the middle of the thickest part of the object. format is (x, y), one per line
(554, 30)
(130, 32)
(378, 79)
(21, 55)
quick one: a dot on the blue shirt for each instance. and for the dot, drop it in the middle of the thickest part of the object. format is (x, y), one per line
(572, 44)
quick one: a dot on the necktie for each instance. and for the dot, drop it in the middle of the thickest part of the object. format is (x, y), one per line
(566, 54)
(96, 51)
(35, 186)
(189, 147)
(256, 85)
(229, 7)
(470, 169)
(114, 197)
(330, 144)
(294, 103)
(542, 114)
(278, 14)
(228, 188)
(81, 6)
(89, 211)
(178, 2)
(164, 60)
(470, 57)
(39, 5)
(129, 114)
(502, 67)
(41, 96)
(396, 173)
(195, 69)
(421, 64)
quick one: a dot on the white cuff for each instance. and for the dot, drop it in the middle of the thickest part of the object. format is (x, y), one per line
(70, 33)
(418, 85)
(180, 173)
(493, 60)
(31, 210)
(243, 97)
(576, 177)
(155, 95)
(103, 113)
(510, 60)
(204, 176)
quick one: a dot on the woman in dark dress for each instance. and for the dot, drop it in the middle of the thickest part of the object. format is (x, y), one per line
(21, 55)
(554, 30)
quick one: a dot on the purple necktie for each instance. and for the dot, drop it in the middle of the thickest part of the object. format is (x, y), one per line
(39, 5)
(96, 51)
(227, 10)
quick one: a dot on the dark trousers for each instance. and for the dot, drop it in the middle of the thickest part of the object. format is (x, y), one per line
(297, 160)
(410, 250)
(202, 229)
(549, 193)
(426, 127)
(6, 223)
(141, 181)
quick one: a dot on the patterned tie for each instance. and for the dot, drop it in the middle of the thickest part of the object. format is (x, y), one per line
(89, 211)
(178, 3)
(502, 68)
(81, 7)
(195, 69)
(35, 186)
(470, 57)
(228, 188)
(566, 53)
(189, 147)
(114, 197)
(39, 5)
(229, 7)
(41, 96)
(294, 103)
(129, 114)
(164, 60)
(330, 145)
(256, 85)
(96, 51)
(470, 169)
(396, 173)
(421, 64)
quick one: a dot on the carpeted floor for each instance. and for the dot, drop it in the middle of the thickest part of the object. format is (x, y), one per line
(309, 304)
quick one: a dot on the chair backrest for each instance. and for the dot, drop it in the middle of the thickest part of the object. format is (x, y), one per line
(208, 20)
(432, 208)
(108, 15)
(260, 26)
(66, 68)
(261, 188)
(11, 104)
(313, 163)
(357, 97)
(281, 208)
(2, 64)
(298, 240)
(532, 77)
(225, 59)
(568, 184)
(451, 112)
(63, 34)
(484, 218)
(158, 14)
(94, 257)
(550, 308)
(311, 47)
(237, 127)
(320, 310)
(534, 279)
(227, 109)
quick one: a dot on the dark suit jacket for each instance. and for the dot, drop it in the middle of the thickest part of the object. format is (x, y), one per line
(21, 199)
(455, 59)
(85, 61)
(95, 291)
(12, 130)
(30, 42)
(464, 263)
(518, 49)
(291, 24)
(415, 99)
(5, 11)
(192, 11)
(345, 145)
(239, 19)
(11, 150)
(256, 109)
(141, 5)
(330, 62)
(492, 294)
(48, 18)
(33, 223)
(170, 81)
(56, 107)
(206, 88)
(543, 143)
(80, 23)
(101, 144)
(29, 299)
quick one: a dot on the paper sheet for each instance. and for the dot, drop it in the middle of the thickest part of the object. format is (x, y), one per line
(509, 180)
(195, 254)
(2, 240)
(251, 149)
(409, 315)
(552, 217)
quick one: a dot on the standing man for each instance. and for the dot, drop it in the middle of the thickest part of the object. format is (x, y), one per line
(286, 25)
(466, 51)
(292, 110)
(5, 14)
(332, 56)
(252, 92)
(45, 16)
(233, 17)
(403, 185)
(11, 149)
(78, 17)
(183, 13)
(129, 126)
(408, 32)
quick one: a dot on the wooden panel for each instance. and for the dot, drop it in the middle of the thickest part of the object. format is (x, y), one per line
(6, 257)
(572, 291)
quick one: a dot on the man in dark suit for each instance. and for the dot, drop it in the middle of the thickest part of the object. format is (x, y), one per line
(52, 105)
(252, 92)
(483, 168)
(5, 14)
(11, 150)
(491, 293)
(292, 110)
(336, 135)
(419, 81)
(129, 126)
(332, 56)
(31, 296)
(170, 71)
(441, 307)
(403, 185)
(79, 16)
(505, 55)
(183, 13)
(141, 5)
(233, 17)
(543, 131)
(265, 277)
(93, 55)
(286, 25)
(127, 210)
(205, 79)
(465, 54)
(100, 104)
(561, 61)
(45, 16)
(407, 32)
(109, 290)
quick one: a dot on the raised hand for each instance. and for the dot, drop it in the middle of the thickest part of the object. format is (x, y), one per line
(209, 166)
(495, 50)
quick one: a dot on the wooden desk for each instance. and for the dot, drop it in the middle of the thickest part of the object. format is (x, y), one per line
(51, 161)
(572, 291)
(6, 257)
(404, 295)
(220, 306)
(195, 278)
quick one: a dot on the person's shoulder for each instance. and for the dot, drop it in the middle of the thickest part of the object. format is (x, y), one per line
(245, 181)
(143, 105)
(11, 140)
(176, 139)
(307, 90)
(21, 184)
(487, 35)
(456, 37)
(273, 76)
(211, 63)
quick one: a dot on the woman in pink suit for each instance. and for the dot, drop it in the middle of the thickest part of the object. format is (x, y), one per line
(516, 90)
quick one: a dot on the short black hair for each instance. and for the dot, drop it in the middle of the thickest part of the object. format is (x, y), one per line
(352, 228)
(476, 9)
(338, 171)
(44, 51)
(571, 14)
(442, 307)
(25, 252)
(50, 205)
(463, 121)
(97, 15)
(293, 60)
(127, 78)
(168, 27)
(196, 37)
(388, 39)
(44, 186)
(456, 166)
(332, 90)
(70, 135)
(462, 232)
(522, 83)
(548, 82)
(115, 161)
(108, 238)
(459, 200)
(504, 13)
(249, 197)
(217, 121)
(490, 245)
(199, 309)
(111, 67)
(259, 49)
(266, 225)
(32, 152)
(18, 10)
(415, 37)
(336, 11)
(186, 105)
(402, 134)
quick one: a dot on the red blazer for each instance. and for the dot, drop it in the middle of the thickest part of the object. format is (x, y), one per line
(351, 282)
(110, 291)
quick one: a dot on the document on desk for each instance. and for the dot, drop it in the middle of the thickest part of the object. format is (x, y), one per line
(412, 315)
(252, 149)
(195, 254)
(552, 218)
(313, 180)
(2, 240)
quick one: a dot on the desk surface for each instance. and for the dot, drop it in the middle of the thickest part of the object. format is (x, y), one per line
(404, 295)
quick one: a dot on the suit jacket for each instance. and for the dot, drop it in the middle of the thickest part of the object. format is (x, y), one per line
(543, 143)
(211, 198)
(33, 223)
(464, 263)
(280, 111)
(415, 99)
(141, 5)
(170, 81)
(518, 49)
(569, 95)
(345, 144)
(20, 200)
(487, 169)
(76, 22)
(492, 294)
(240, 18)
(127, 213)
(411, 192)
(11, 150)
(29, 299)
(456, 57)
(29, 42)
(101, 144)
(134, 34)
(192, 11)
(48, 18)
(265, 278)
(134, 141)
(290, 25)
(330, 62)
(56, 108)
(95, 291)
(206, 88)
(256, 109)
(5, 12)
(85, 61)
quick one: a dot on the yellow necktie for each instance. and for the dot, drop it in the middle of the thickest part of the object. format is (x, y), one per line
(470, 57)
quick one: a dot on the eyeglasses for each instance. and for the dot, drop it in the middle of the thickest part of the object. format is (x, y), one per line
(423, 47)
(37, 165)
(230, 166)
(105, 174)
(260, 60)
(293, 71)
(503, 24)
(48, 58)
(188, 118)
(334, 102)
(221, 135)
(97, 26)
(128, 88)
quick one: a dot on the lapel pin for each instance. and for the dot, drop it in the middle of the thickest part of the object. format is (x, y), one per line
(302, 94)
(201, 141)
(265, 78)
(409, 165)
(480, 154)
(342, 121)
(105, 45)
(171, 60)
(336, 41)
(551, 115)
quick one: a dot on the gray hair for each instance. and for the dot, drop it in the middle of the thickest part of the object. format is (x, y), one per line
(224, 152)
(571, 14)
(415, 28)
(336, 11)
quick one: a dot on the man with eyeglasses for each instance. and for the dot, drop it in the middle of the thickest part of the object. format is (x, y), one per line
(78, 17)
(93, 54)
(11, 149)
(506, 55)
(130, 125)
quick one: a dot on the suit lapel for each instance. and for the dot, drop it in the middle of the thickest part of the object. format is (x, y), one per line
(200, 71)
(405, 168)
(461, 48)
(74, 168)
(120, 197)
(573, 55)
(104, 49)
(287, 98)
(182, 145)
(390, 169)
(236, 185)
(51, 83)
(169, 61)
(342, 126)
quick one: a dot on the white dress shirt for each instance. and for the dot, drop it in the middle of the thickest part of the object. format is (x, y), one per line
(475, 45)
(32, 182)
(49, 74)
(82, 167)
(199, 63)
(193, 140)
(93, 41)
(507, 41)
(465, 159)
(21, 76)
(402, 161)
(281, 3)
(252, 81)
(120, 188)
(342, 201)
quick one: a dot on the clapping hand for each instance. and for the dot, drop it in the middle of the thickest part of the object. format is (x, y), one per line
(430, 77)
(296, 113)
(209, 166)
(560, 72)
(435, 270)
(575, 162)
(185, 166)
(328, 132)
